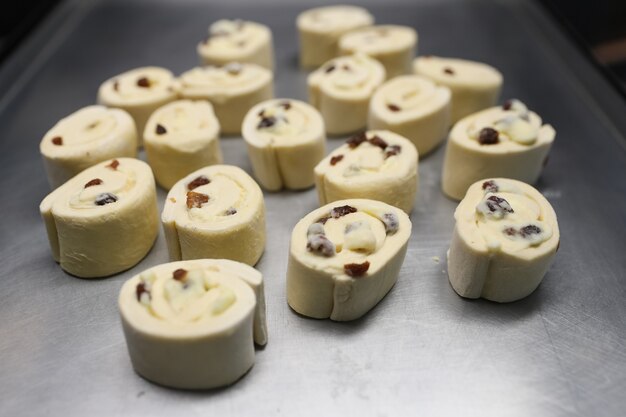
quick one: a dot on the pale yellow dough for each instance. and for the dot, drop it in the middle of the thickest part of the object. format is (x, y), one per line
(191, 324)
(414, 107)
(341, 90)
(520, 153)
(229, 224)
(232, 90)
(501, 250)
(394, 46)
(181, 137)
(320, 28)
(237, 41)
(318, 285)
(93, 236)
(140, 92)
(474, 86)
(285, 140)
(90, 135)
(386, 171)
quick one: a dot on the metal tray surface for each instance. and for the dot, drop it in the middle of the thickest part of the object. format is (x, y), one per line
(422, 350)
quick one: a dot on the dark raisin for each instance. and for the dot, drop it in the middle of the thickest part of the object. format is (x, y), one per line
(529, 230)
(95, 181)
(488, 136)
(392, 150)
(490, 186)
(356, 140)
(341, 211)
(197, 182)
(57, 140)
(495, 203)
(141, 288)
(105, 198)
(510, 231)
(116, 85)
(378, 141)
(196, 199)
(448, 71)
(330, 68)
(507, 105)
(114, 164)
(266, 122)
(180, 274)
(335, 159)
(261, 113)
(143, 82)
(323, 220)
(320, 245)
(160, 129)
(393, 107)
(391, 222)
(356, 270)
(285, 105)
(231, 211)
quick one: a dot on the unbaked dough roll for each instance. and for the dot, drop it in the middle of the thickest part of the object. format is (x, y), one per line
(90, 135)
(341, 90)
(104, 220)
(320, 29)
(140, 92)
(474, 86)
(505, 239)
(285, 140)
(377, 164)
(394, 46)
(191, 324)
(232, 90)
(237, 40)
(345, 257)
(414, 107)
(507, 141)
(181, 137)
(216, 212)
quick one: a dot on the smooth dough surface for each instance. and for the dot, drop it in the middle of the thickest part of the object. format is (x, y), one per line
(345, 257)
(104, 220)
(90, 135)
(181, 137)
(377, 165)
(285, 140)
(191, 324)
(505, 239)
(341, 90)
(215, 212)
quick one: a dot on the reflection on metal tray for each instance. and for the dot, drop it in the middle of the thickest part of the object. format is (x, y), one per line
(422, 350)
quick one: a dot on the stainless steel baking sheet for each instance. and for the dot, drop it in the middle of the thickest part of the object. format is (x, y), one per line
(423, 350)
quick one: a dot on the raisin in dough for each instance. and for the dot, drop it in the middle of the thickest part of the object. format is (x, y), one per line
(345, 257)
(474, 86)
(394, 46)
(216, 212)
(232, 90)
(90, 135)
(414, 107)
(285, 140)
(508, 141)
(320, 29)
(104, 220)
(505, 238)
(378, 165)
(237, 40)
(193, 324)
(341, 90)
(181, 137)
(140, 92)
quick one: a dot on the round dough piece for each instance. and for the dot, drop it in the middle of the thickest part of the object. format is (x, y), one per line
(345, 257)
(232, 90)
(191, 324)
(104, 220)
(506, 141)
(215, 212)
(378, 165)
(341, 90)
(181, 137)
(237, 41)
(320, 29)
(285, 140)
(140, 92)
(394, 46)
(90, 135)
(505, 238)
(414, 107)
(474, 86)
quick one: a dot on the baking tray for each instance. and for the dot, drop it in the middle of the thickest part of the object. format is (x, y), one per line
(423, 350)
